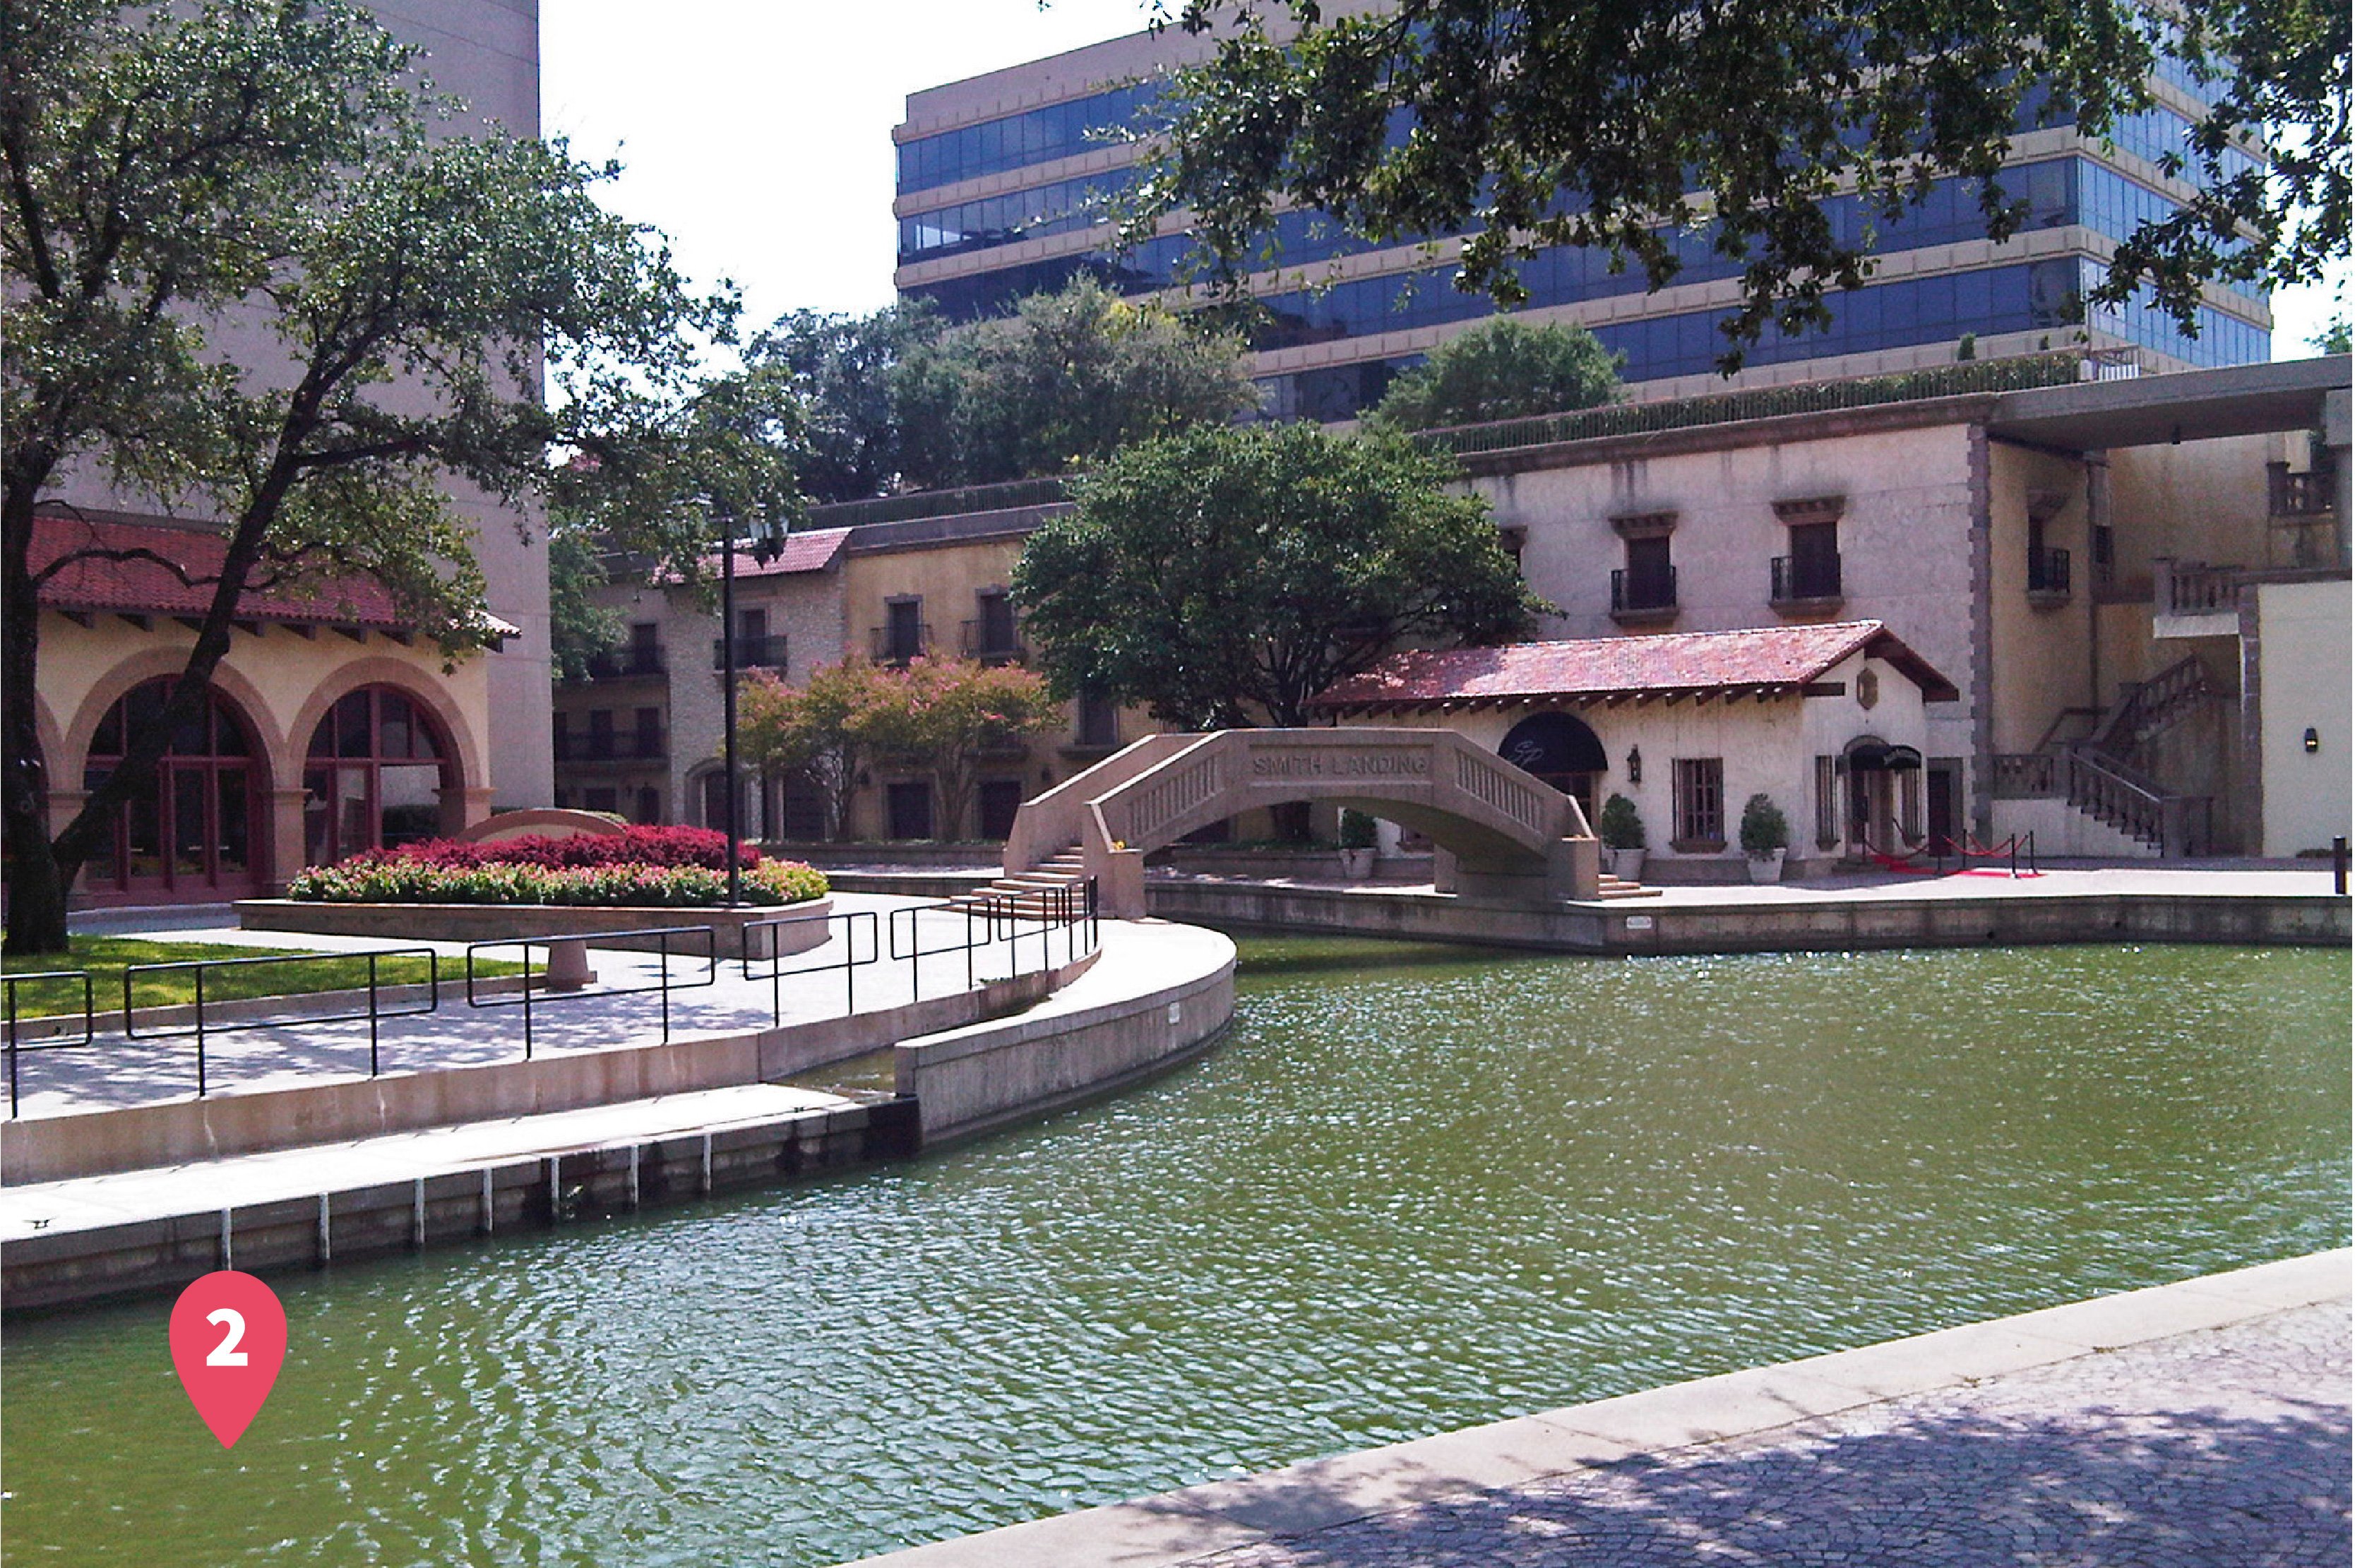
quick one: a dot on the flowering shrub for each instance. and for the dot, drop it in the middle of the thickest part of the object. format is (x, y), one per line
(382, 878)
(706, 847)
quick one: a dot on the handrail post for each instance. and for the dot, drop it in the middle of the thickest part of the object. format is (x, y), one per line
(527, 998)
(2338, 866)
(373, 1066)
(11, 989)
(200, 1022)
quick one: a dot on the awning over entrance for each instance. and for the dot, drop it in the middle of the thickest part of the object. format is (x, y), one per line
(1873, 756)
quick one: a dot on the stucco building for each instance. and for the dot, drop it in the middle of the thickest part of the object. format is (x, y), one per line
(333, 728)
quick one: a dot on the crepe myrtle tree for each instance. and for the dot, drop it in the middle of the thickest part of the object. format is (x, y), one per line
(279, 159)
(1226, 576)
(1595, 122)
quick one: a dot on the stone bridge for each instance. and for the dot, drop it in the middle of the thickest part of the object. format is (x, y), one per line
(1510, 836)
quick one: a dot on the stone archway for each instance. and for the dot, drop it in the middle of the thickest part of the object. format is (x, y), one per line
(1511, 835)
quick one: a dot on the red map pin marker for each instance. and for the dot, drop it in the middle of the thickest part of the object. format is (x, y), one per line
(229, 1340)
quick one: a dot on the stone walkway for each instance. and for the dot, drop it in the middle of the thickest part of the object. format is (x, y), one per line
(117, 1072)
(2203, 1424)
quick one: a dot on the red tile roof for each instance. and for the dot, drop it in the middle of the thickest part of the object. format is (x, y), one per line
(805, 550)
(1766, 659)
(141, 586)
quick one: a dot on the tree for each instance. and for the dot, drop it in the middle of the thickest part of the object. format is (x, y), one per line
(938, 715)
(817, 731)
(943, 715)
(1542, 122)
(277, 159)
(2336, 337)
(1229, 575)
(1069, 377)
(1503, 369)
(847, 372)
(578, 628)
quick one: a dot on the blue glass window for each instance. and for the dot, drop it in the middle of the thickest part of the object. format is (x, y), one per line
(1018, 140)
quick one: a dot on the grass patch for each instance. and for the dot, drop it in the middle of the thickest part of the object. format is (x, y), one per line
(106, 958)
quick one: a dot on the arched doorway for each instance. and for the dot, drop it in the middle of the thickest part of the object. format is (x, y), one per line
(373, 776)
(1884, 795)
(191, 832)
(1562, 751)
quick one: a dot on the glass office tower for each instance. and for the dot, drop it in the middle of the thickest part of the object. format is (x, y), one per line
(1002, 178)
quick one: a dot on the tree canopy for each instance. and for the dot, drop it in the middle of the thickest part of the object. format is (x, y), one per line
(1227, 575)
(1503, 369)
(1060, 385)
(938, 715)
(279, 161)
(1526, 123)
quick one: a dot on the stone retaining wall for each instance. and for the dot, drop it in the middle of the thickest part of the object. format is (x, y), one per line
(1814, 924)
(975, 1079)
(50, 1270)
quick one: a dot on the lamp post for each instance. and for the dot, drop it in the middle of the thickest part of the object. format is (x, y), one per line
(764, 549)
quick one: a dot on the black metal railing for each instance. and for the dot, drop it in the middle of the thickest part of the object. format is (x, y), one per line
(1642, 590)
(848, 961)
(1795, 580)
(623, 745)
(899, 643)
(999, 645)
(663, 983)
(752, 652)
(994, 918)
(625, 663)
(2048, 571)
(8, 985)
(201, 1027)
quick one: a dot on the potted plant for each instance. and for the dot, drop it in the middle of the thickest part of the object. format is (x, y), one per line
(1357, 844)
(1622, 832)
(1765, 836)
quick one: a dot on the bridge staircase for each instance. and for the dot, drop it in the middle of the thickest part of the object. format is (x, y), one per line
(2099, 774)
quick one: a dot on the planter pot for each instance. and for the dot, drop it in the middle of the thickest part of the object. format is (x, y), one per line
(1627, 864)
(1768, 866)
(1357, 864)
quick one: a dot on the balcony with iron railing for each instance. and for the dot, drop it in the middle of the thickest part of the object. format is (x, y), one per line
(2048, 577)
(991, 645)
(1641, 598)
(1805, 585)
(638, 662)
(752, 652)
(624, 746)
(898, 644)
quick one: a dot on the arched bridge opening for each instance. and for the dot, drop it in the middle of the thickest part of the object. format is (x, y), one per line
(1511, 836)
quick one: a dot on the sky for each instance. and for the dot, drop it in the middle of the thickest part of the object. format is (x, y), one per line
(758, 135)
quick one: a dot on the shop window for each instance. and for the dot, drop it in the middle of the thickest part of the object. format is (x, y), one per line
(375, 775)
(192, 828)
(805, 809)
(1827, 827)
(649, 809)
(1700, 790)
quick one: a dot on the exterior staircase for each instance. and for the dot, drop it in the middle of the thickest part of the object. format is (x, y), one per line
(1032, 895)
(2095, 774)
(1619, 888)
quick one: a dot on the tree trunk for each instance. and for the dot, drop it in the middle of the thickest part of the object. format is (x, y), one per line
(37, 883)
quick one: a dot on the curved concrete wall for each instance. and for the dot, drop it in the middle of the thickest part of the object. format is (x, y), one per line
(1102, 1032)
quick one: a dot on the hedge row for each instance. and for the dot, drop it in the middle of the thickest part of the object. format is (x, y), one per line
(398, 879)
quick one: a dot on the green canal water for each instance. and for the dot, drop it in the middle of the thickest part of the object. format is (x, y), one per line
(1415, 1189)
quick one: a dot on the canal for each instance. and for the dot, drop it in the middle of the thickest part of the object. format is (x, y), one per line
(1416, 1188)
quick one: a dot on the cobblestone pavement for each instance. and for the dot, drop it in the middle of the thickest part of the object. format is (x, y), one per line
(2217, 1449)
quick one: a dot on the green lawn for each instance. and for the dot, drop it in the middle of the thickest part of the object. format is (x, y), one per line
(106, 958)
